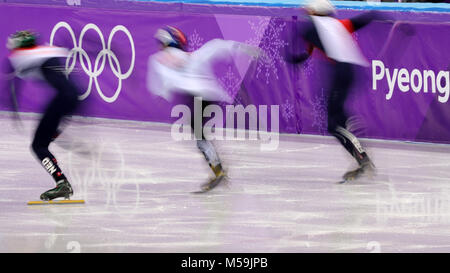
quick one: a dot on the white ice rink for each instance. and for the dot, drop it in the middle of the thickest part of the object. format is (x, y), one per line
(137, 181)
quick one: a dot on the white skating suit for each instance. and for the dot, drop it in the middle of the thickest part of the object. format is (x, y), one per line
(173, 70)
(27, 62)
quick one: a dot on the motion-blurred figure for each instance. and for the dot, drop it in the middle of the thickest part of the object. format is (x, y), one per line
(28, 60)
(333, 37)
(174, 70)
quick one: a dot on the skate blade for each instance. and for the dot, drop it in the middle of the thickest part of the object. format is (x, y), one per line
(218, 181)
(367, 175)
(55, 202)
(203, 190)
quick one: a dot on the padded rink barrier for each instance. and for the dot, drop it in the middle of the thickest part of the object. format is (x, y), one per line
(234, 5)
(402, 95)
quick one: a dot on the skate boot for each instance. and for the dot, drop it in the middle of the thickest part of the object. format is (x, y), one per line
(62, 189)
(365, 167)
(220, 176)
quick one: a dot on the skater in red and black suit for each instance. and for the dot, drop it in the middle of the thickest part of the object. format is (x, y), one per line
(28, 60)
(333, 38)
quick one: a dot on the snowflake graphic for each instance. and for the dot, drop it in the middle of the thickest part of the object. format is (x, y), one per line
(267, 38)
(308, 67)
(287, 111)
(194, 41)
(319, 112)
(299, 96)
(230, 82)
(237, 101)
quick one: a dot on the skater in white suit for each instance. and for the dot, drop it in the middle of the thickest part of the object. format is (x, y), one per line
(174, 70)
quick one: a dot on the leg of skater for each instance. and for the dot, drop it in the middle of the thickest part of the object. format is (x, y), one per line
(208, 151)
(64, 103)
(337, 118)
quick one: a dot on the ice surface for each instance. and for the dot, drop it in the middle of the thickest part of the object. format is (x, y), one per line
(137, 181)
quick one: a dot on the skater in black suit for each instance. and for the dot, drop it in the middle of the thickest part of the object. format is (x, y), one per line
(333, 37)
(28, 60)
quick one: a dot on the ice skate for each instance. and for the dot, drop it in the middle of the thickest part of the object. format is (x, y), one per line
(220, 176)
(213, 183)
(366, 168)
(62, 189)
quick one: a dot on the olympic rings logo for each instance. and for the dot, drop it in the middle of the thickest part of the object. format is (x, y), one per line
(94, 71)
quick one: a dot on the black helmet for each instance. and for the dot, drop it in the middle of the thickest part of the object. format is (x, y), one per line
(21, 39)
